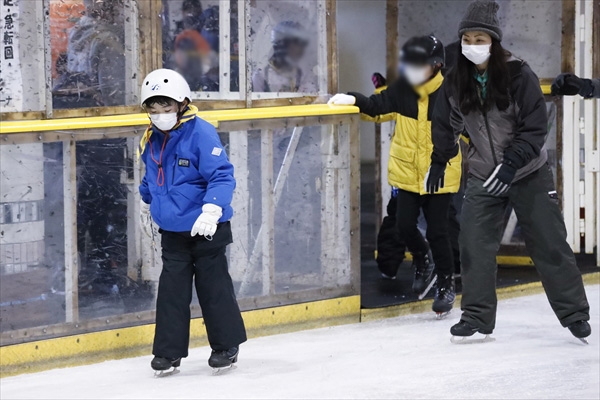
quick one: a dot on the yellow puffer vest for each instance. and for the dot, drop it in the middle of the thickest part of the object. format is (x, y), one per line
(411, 148)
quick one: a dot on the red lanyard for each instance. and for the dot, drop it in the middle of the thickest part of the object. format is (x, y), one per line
(160, 178)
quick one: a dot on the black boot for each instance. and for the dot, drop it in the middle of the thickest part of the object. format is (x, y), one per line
(444, 294)
(163, 364)
(580, 329)
(223, 358)
(423, 266)
(463, 328)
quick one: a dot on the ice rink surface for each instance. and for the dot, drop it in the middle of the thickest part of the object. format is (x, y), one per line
(410, 357)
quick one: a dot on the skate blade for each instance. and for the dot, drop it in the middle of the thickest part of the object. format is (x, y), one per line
(442, 315)
(167, 372)
(584, 340)
(428, 288)
(471, 339)
(223, 370)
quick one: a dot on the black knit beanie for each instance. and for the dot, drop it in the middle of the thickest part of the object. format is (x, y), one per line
(481, 16)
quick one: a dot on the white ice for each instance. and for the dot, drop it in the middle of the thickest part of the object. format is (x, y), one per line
(411, 357)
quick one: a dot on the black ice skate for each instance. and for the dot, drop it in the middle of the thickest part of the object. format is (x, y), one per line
(581, 330)
(444, 296)
(462, 332)
(165, 366)
(223, 360)
(424, 277)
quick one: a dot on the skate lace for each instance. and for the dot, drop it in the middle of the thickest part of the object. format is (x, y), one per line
(445, 288)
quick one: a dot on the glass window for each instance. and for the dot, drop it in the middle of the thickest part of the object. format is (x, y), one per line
(88, 53)
(22, 78)
(192, 45)
(287, 48)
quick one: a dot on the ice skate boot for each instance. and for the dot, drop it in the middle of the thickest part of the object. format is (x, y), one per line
(581, 330)
(388, 277)
(424, 277)
(445, 295)
(165, 367)
(462, 332)
(223, 360)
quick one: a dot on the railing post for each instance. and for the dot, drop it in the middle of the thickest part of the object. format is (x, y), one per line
(71, 253)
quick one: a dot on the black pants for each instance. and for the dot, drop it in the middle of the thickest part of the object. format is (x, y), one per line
(435, 208)
(390, 249)
(187, 259)
(535, 204)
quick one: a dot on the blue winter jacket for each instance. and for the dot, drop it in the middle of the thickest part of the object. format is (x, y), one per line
(196, 172)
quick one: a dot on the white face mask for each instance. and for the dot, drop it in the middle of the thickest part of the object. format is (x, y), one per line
(476, 53)
(416, 75)
(164, 122)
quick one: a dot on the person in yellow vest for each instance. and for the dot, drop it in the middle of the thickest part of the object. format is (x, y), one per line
(411, 100)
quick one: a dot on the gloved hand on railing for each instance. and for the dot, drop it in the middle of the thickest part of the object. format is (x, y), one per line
(145, 218)
(570, 85)
(206, 224)
(342, 99)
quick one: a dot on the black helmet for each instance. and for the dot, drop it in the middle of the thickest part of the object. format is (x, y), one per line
(423, 50)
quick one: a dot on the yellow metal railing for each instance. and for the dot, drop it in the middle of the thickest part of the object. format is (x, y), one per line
(545, 89)
(213, 116)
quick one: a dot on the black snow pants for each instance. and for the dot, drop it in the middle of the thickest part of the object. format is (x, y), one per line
(435, 208)
(535, 203)
(187, 260)
(391, 249)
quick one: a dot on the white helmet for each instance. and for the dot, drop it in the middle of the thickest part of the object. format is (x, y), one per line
(165, 82)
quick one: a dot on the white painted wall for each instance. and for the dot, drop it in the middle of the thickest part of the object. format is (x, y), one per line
(361, 50)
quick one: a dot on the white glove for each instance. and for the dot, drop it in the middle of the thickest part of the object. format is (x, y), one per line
(206, 224)
(342, 99)
(145, 218)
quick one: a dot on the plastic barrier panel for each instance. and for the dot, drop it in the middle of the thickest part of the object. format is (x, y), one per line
(73, 258)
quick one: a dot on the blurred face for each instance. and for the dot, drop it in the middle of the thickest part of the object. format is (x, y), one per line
(296, 50)
(416, 74)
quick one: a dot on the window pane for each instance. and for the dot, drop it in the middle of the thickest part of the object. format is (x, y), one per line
(88, 53)
(192, 44)
(288, 48)
(22, 85)
(32, 284)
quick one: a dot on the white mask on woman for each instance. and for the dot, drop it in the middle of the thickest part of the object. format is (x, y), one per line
(164, 122)
(476, 53)
(415, 75)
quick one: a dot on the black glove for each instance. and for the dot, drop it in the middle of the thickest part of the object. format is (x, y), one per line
(499, 182)
(378, 80)
(570, 85)
(434, 180)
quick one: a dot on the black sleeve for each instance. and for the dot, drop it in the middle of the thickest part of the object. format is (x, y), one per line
(532, 119)
(596, 85)
(388, 101)
(446, 127)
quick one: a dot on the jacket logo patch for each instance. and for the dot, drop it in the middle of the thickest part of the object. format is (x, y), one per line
(184, 162)
(216, 151)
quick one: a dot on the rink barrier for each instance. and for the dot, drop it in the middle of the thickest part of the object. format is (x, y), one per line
(423, 306)
(212, 116)
(89, 348)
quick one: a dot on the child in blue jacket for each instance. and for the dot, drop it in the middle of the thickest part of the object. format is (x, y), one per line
(187, 192)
